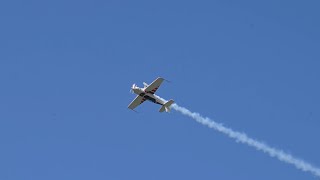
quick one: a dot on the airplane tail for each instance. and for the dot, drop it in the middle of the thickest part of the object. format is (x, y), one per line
(166, 106)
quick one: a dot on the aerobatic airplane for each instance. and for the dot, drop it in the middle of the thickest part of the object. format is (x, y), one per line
(147, 93)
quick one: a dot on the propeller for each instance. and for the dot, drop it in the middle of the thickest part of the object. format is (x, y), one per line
(133, 87)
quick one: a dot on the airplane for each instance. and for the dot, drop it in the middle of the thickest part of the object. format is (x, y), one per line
(147, 93)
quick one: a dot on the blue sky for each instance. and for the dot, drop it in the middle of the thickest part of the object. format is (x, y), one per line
(66, 68)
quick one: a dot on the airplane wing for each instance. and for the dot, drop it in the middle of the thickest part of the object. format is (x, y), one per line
(153, 87)
(136, 102)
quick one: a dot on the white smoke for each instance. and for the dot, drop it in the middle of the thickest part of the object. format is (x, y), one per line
(243, 138)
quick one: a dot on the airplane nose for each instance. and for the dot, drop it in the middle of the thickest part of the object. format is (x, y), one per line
(132, 88)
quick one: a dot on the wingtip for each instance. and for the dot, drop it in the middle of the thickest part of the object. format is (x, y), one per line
(133, 110)
(164, 79)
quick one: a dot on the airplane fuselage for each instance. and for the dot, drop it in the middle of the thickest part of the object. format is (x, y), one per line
(148, 96)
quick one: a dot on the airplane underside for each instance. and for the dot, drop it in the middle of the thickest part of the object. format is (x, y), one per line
(149, 98)
(148, 93)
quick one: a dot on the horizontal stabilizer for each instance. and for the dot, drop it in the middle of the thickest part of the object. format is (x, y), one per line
(166, 106)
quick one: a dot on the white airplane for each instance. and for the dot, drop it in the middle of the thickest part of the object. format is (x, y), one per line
(147, 93)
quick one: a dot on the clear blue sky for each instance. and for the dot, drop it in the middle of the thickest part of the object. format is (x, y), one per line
(66, 68)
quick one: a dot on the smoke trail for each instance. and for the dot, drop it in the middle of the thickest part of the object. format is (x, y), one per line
(243, 138)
